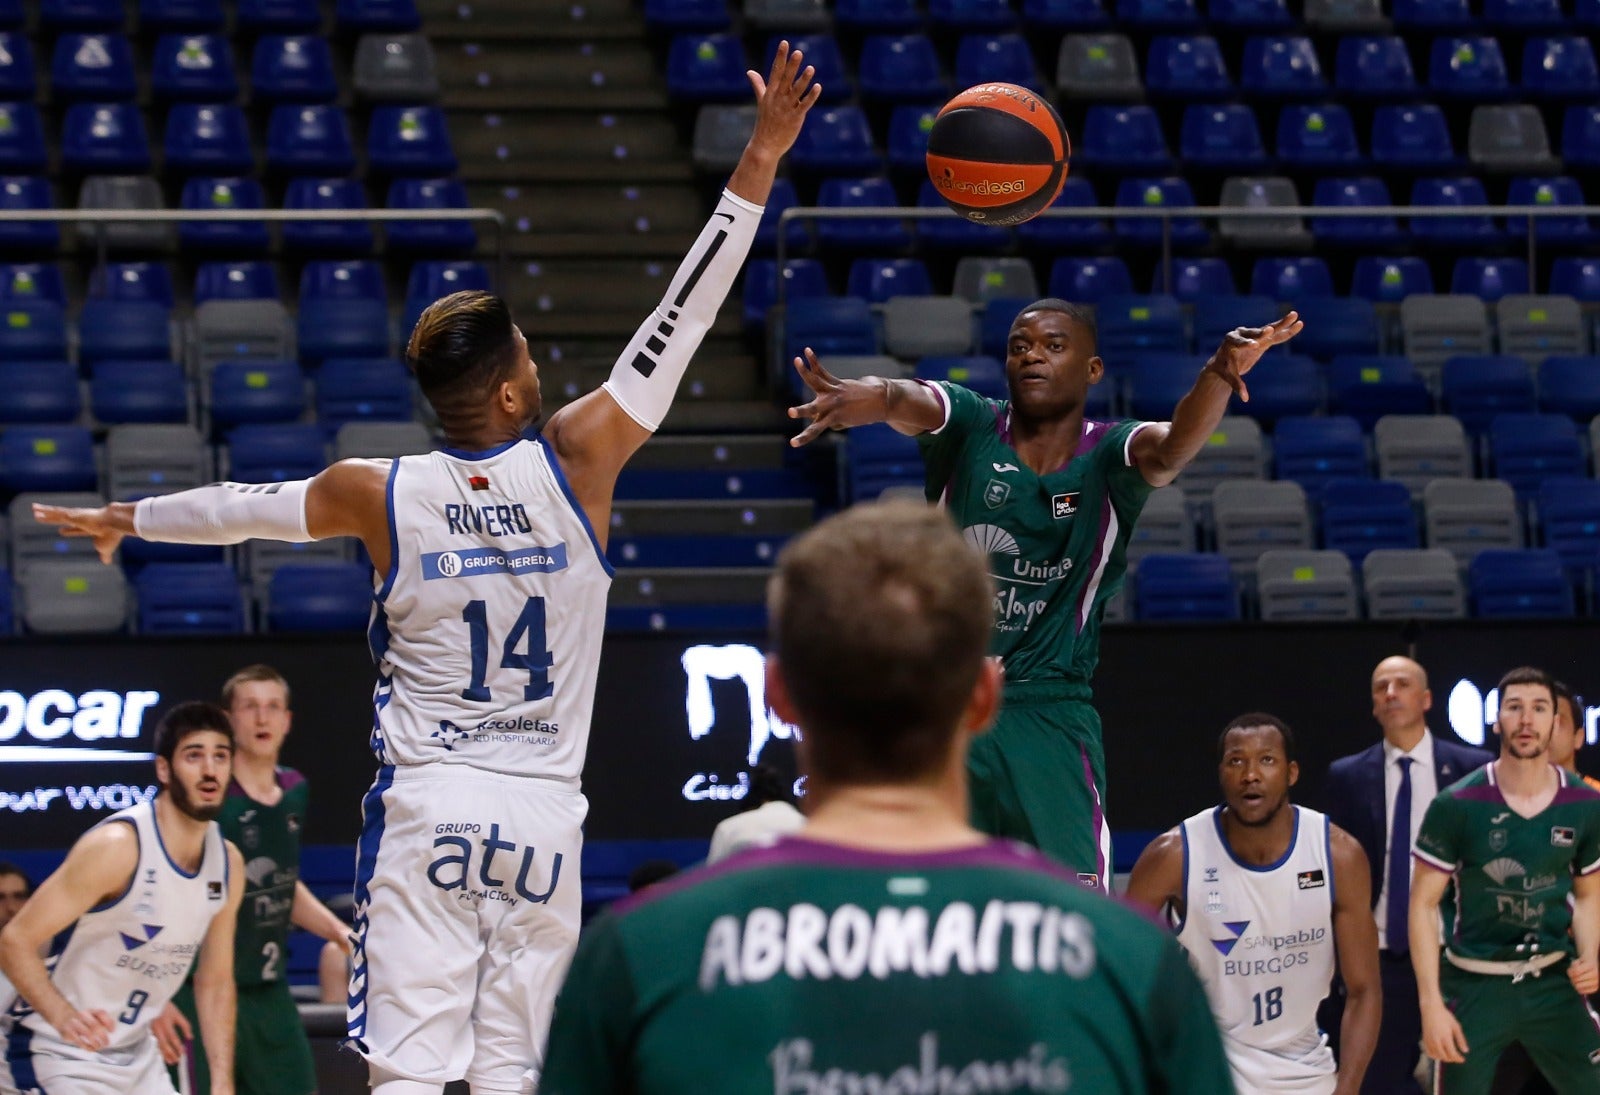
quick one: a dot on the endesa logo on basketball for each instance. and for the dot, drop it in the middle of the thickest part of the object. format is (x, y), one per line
(488, 560)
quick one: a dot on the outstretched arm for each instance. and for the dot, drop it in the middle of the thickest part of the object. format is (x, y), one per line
(1157, 878)
(1163, 450)
(1355, 935)
(908, 405)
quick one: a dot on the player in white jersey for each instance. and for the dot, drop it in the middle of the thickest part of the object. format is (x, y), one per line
(138, 897)
(490, 590)
(1264, 895)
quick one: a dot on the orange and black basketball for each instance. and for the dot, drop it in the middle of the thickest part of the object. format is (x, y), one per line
(998, 154)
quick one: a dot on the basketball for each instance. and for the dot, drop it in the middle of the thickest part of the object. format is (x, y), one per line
(998, 154)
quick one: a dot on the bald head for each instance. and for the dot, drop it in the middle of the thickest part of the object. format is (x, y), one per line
(1401, 700)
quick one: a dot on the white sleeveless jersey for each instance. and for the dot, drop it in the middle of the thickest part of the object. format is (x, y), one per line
(1261, 939)
(130, 955)
(486, 630)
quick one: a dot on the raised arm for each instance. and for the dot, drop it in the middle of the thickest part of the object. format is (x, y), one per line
(99, 868)
(1442, 1036)
(1355, 935)
(216, 996)
(1165, 449)
(1157, 878)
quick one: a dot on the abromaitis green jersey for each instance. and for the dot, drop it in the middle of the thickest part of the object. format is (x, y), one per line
(1513, 874)
(807, 967)
(1056, 542)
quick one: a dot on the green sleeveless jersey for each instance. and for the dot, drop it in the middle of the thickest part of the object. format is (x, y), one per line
(807, 967)
(1056, 542)
(1513, 874)
(268, 837)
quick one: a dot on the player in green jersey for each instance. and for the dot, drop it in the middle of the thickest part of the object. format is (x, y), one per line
(1051, 498)
(1511, 853)
(262, 814)
(888, 946)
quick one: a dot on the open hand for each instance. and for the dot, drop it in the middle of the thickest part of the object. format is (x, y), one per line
(839, 404)
(90, 1030)
(95, 522)
(782, 100)
(1242, 347)
(1442, 1036)
(172, 1032)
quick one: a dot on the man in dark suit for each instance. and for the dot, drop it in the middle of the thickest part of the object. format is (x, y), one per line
(1364, 793)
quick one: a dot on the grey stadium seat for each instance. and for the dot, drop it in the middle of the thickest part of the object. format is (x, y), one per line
(398, 67)
(720, 134)
(240, 330)
(916, 327)
(1165, 526)
(980, 279)
(1438, 326)
(32, 542)
(124, 192)
(1464, 516)
(1403, 583)
(1306, 585)
(155, 459)
(1419, 448)
(73, 597)
(1262, 192)
(381, 439)
(1535, 326)
(1098, 67)
(259, 558)
(856, 366)
(1256, 516)
(1233, 451)
(1509, 137)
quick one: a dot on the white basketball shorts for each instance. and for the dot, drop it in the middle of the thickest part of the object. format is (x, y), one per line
(33, 1062)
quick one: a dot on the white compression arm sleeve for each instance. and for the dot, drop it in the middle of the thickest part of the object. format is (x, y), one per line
(646, 376)
(226, 513)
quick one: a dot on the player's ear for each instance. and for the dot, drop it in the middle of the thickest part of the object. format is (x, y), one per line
(1294, 773)
(163, 771)
(778, 693)
(1097, 369)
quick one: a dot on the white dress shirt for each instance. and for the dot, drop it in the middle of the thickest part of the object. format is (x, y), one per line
(754, 829)
(1424, 786)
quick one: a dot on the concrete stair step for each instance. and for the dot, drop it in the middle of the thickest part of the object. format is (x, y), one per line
(561, 220)
(511, 74)
(568, 146)
(446, 20)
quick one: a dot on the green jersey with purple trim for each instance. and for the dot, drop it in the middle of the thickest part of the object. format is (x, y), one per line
(1513, 874)
(268, 837)
(1056, 543)
(807, 967)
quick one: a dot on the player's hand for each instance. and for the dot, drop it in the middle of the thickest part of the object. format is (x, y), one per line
(1584, 973)
(839, 404)
(782, 100)
(1242, 347)
(96, 523)
(173, 1032)
(1442, 1037)
(90, 1030)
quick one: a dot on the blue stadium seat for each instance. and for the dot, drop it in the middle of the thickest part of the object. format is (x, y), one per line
(19, 75)
(130, 330)
(436, 278)
(138, 391)
(1549, 191)
(1526, 584)
(27, 237)
(235, 281)
(1133, 323)
(1061, 15)
(1250, 14)
(47, 458)
(62, 15)
(1523, 15)
(879, 15)
(1336, 325)
(1214, 317)
(160, 16)
(409, 140)
(1059, 233)
(983, 374)
(195, 68)
(1561, 69)
(821, 53)
(1432, 14)
(93, 68)
(22, 147)
(877, 457)
(1087, 281)
(310, 139)
(1390, 280)
(1367, 190)
(1586, 13)
(1411, 136)
(1168, 193)
(907, 140)
(801, 278)
(1221, 137)
(132, 281)
(1526, 449)
(1361, 515)
(1452, 231)
(1570, 386)
(1290, 384)
(1123, 138)
(189, 599)
(274, 453)
(330, 237)
(278, 16)
(362, 389)
(829, 325)
(1003, 58)
(429, 237)
(995, 318)
(344, 311)
(293, 68)
(1569, 513)
(1195, 278)
(900, 68)
(879, 234)
(1576, 277)
(1471, 68)
(1318, 136)
(1291, 278)
(1186, 587)
(836, 141)
(879, 279)
(797, 235)
(1154, 382)
(255, 391)
(679, 15)
(106, 138)
(1490, 279)
(1477, 387)
(1277, 66)
(12, 17)
(233, 237)
(707, 68)
(1373, 67)
(32, 330)
(1368, 387)
(208, 138)
(963, 16)
(1316, 451)
(39, 392)
(1580, 136)
(1186, 67)
(1159, 14)
(32, 281)
(366, 16)
(323, 598)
